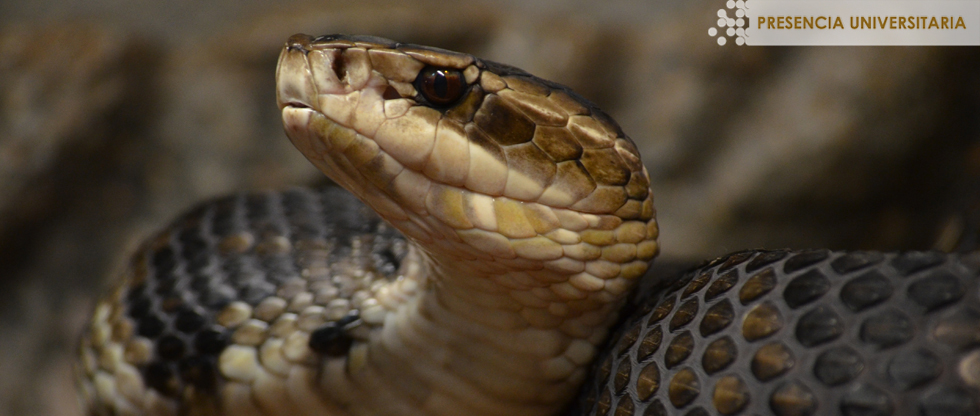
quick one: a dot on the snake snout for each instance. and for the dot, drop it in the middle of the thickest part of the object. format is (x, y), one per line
(310, 68)
(293, 89)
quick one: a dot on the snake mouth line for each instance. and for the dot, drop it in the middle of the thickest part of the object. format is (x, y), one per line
(297, 106)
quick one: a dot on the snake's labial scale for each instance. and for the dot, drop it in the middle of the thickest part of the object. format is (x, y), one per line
(864, 333)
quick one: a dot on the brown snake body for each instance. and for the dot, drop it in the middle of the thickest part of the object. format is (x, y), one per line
(506, 221)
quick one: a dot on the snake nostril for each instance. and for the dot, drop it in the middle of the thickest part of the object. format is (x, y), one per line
(339, 66)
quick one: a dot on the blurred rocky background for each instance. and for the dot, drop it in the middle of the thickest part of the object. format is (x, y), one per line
(117, 115)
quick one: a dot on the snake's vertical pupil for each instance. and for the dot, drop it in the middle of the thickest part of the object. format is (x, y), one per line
(440, 86)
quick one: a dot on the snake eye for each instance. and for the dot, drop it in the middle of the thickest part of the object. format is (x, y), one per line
(440, 86)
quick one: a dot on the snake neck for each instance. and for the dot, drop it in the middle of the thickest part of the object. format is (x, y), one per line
(478, 328)
(521, 297)
(466, 339)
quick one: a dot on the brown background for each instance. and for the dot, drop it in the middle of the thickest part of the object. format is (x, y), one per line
(117, 115)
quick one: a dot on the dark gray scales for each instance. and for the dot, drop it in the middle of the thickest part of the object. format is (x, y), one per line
(856, 333)
(243, 248)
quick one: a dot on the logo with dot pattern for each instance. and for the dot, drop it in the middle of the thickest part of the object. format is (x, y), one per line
(848, 23)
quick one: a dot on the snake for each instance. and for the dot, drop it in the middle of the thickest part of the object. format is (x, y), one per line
(484, 254)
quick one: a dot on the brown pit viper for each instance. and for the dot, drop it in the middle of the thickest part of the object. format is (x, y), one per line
(493, 228)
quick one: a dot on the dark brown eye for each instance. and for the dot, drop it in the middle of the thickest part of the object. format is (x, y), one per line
(440, 86)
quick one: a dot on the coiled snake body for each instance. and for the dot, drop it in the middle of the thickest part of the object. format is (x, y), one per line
(506, 221)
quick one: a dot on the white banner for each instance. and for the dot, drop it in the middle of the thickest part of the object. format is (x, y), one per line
(850, 22)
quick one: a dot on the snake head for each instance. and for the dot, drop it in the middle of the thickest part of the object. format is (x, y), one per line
(447, 146)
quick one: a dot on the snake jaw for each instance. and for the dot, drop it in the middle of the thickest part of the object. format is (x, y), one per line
(318, 91)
